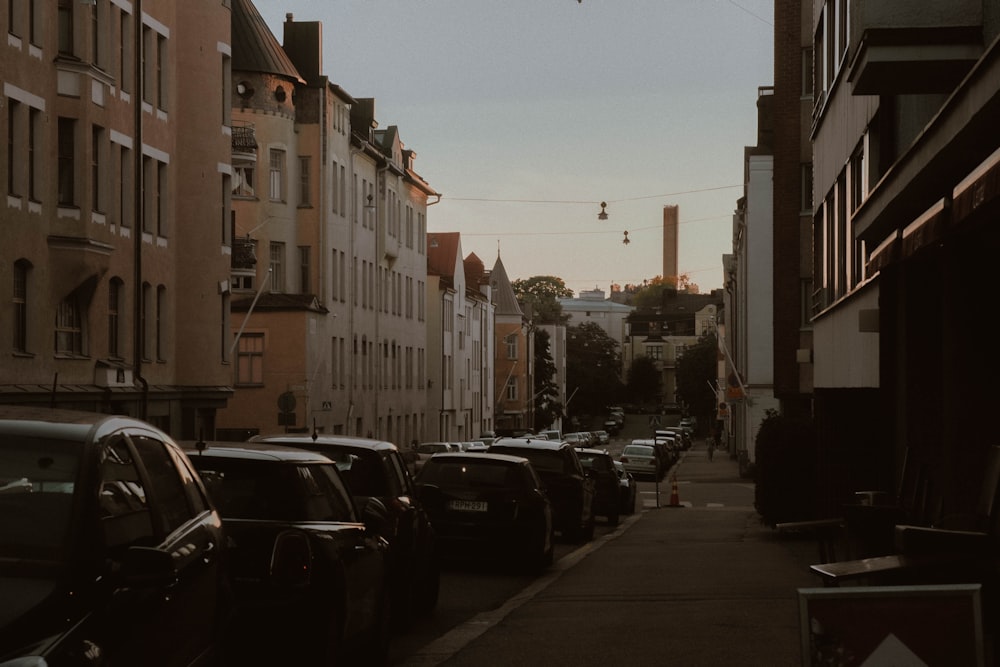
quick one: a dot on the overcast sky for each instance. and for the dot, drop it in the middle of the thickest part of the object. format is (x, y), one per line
(526, 114)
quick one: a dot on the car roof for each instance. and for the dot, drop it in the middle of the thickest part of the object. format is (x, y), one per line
(70, 425)
(255, 451)
(485, 456)
(310, 441)
(530, 443)
(591, 450)
(649, 447)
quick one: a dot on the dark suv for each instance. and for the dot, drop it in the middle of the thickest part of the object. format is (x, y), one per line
(569, 488)
(376, 469)
(110, 551)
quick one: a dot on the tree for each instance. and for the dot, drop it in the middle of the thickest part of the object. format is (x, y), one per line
(541, 294)
(697, 371)
(547, 405)
(644, 382)
(592, 363)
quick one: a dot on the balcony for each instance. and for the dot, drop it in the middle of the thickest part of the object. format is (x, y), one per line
(913, 46)
(244, 253)
(244, 140)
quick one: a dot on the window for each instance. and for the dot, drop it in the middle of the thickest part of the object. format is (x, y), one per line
(842, 234)
(69, 328)
(20, 303)
(250, 359)
(66, 161)
(66, 26)
(243, 180)
(115, 300)
(304, 270)
(125, 516)
(161, 75)
(654, 351)
(305, 196)
(125, 212)
(161, 306)
(168, 479)
(334, 195)
(807, 71)
(277, 267)
(277, 166)
(96, 175)
(806, 187)
(510, 341)
(34, 134)
(145, 317)
(124, 52)
(162, 199)
(511, 390)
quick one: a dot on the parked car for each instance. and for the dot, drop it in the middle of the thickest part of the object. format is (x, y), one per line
(107, 538)
(612, 427)
(375, 469)
(627, 489)
(569, 489)
(641, 460)
(577, 439)
(681, 434)
(488, 505)
(599, 465)
(603, 438)
(309, 577)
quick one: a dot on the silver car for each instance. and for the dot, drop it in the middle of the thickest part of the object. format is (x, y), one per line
(640, 460)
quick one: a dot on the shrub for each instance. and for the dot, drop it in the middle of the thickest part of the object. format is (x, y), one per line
(785, 469)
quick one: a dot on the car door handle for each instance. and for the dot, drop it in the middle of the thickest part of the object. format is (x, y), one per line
(208, 554)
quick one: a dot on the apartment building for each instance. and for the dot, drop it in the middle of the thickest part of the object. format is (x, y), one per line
(329, 306)
(459, 335)
(905, 161)
(115, 244)
(514, 356)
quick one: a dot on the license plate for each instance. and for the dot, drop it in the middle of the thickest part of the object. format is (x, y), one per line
(467, 505)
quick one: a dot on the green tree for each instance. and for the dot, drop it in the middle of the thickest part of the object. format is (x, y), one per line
(547, 405)
(592, 363)
(644, 383)
(541, 295)
(697, 371)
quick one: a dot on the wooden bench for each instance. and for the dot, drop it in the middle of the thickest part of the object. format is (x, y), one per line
(936, 552)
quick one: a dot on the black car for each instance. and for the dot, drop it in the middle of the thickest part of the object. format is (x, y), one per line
(376, 469)
(308, 576)
(110, 550)
(599, 464)
(569, 489)
(485, 505)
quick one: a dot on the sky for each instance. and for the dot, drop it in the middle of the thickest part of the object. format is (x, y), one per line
(527, 114)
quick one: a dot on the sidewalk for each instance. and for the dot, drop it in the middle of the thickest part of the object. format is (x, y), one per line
(700, 584)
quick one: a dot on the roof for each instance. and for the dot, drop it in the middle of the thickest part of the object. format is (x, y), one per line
(255, 49)
(255, 451)
(503, 292)
(529, 443)
(604, 305)
(310, 441)
(442, 254)
(479, 456)
(70, 425)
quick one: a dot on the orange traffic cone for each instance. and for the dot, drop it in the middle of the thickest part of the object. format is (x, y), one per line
(675, 500)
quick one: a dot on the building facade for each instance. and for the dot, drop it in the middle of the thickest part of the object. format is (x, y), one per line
(905, 157)
(330, 301)
(513, 357)
(116, 242)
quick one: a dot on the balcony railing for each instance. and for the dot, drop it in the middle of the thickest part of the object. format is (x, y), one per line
(244, 138)
(244, 253)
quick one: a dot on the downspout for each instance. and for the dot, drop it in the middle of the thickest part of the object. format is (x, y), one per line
(139, 222)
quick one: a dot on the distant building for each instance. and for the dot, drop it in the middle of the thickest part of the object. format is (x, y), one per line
(514, 359)
(592, 306)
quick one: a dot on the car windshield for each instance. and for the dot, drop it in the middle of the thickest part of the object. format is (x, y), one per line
(37, 480)
(637, 450)
(264, 490)
(448, 473)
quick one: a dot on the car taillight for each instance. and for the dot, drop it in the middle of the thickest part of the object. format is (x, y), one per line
(291, 559)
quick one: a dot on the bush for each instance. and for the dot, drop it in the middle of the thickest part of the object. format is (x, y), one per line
(785, 469)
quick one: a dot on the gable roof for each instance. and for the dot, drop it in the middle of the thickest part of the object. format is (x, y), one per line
(442, 254)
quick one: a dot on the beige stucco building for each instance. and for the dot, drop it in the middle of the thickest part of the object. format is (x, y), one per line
(115, 242)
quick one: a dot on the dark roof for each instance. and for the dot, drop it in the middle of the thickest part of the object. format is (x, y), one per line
(256, 451)
(309, 442)
(255, 48)
(503, 292)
